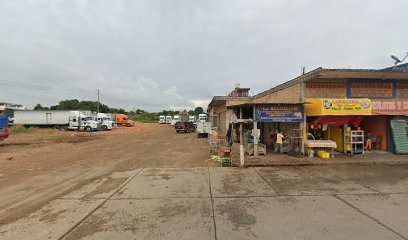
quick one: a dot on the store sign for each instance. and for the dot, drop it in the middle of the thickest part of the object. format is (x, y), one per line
(282, 113)
(338, 106)
(390, 107)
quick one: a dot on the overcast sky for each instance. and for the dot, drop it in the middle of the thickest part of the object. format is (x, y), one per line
(160, 54)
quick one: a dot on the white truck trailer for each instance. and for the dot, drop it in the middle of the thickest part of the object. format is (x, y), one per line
(176, 118)
(203, 129)
(106, 122)
(59, 119)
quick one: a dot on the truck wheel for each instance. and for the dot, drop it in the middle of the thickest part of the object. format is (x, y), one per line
(104, 128)
(128, 125)
(88, 129)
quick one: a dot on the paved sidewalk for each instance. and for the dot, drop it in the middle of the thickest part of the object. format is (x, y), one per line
(298, 202)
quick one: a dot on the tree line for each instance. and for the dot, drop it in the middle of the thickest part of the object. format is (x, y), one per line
(74, 104)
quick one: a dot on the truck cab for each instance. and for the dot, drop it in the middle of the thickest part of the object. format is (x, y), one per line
(202, 117)
(105, 121)
(83, 122)
(168, 119)
(122, 119)
(162, 119)
(192, 119)
(176, 118)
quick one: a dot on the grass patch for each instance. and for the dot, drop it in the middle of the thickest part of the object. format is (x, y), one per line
(22, 129)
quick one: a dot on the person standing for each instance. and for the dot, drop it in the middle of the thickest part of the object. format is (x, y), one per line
(368, 141)
(279, 142)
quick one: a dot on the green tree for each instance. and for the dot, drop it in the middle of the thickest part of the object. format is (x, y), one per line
(198, 110)
(40, 107)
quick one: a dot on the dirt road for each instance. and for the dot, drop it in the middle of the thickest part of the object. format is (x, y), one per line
(33, 174)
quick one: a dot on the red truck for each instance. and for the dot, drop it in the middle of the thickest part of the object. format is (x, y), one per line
(4, 132)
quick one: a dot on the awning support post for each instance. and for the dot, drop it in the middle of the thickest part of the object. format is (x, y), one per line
(241, 138)
(255, 133)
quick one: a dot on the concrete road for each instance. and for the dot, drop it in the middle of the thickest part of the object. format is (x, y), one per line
(309, 202)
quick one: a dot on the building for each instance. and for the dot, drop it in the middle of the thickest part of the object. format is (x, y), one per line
(220, 113)
(325, 103)
(8, 109)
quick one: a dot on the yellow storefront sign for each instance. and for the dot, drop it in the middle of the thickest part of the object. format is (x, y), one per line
(337, 106)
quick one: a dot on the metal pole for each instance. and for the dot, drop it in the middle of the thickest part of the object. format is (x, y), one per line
(97, 106)
(255, 133)
(241, 138)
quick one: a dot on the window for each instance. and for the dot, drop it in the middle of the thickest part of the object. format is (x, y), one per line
(215, 121)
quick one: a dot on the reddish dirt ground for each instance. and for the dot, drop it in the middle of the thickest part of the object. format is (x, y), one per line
(37, 167)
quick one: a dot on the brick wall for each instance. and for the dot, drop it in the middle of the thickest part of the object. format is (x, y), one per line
(327, 88)
(287, 95)
(402, 90)
(372, 89)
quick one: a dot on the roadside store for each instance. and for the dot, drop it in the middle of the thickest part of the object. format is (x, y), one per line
(343, 121)
(337, 103)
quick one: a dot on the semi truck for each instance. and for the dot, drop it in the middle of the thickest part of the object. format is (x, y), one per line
(192, 119)
(202, 117)
(120, 119)
(106, 122)
(4, 132)
(59, 119)
(162, 119)
(168, 119)
(176, 118)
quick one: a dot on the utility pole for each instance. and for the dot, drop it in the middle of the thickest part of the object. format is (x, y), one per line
(97, 106)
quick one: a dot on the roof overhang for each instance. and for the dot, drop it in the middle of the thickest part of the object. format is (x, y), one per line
(219, 101)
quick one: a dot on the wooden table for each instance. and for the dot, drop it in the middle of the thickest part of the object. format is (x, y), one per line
(321, 144)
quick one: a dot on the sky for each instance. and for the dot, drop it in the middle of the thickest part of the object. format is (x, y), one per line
(162, 54)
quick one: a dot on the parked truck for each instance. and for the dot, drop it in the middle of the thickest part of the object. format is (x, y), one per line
(168, 119)
(4, 132)
(192, 119)
(106, 122)
(203, 129)
(162, 119)
(59, 119)
(176, 118)
(202, 117)
(122, 119)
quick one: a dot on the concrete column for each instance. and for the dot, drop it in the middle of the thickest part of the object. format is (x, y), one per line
(255, 133)
(241, 138)
(303, 124)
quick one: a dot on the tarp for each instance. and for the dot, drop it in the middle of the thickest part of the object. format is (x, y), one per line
(3, 120)
(339, 120)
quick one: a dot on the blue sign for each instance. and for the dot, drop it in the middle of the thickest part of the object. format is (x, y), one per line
(280, 113)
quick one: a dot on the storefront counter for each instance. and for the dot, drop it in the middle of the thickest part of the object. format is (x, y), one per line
(321, 144)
